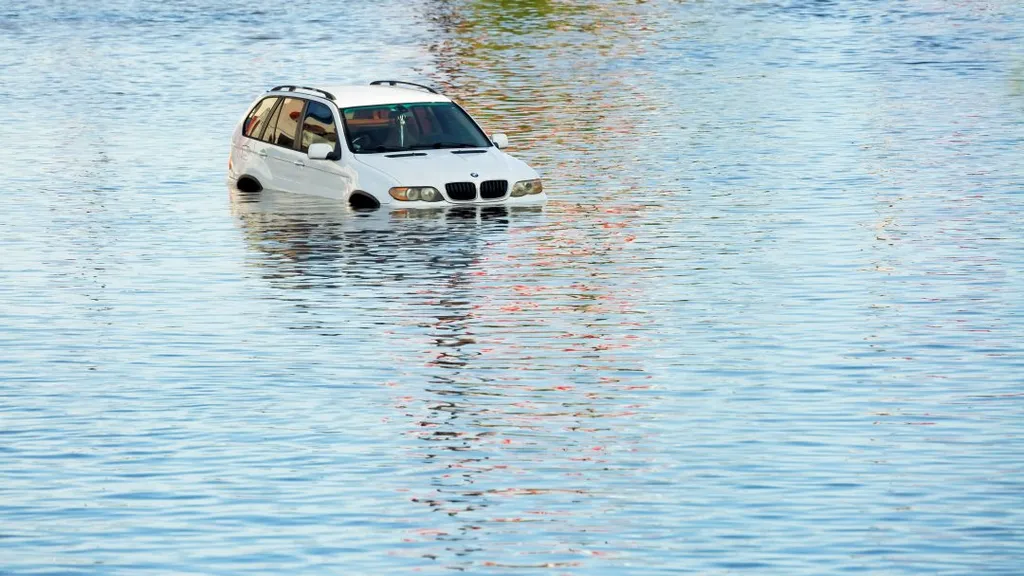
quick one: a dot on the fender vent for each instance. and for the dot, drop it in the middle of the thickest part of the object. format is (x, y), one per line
(461, 191)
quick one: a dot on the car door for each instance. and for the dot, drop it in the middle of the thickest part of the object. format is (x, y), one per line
(330, 178)
(284, 162)
(249, 155)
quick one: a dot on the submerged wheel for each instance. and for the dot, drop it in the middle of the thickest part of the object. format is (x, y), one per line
(249, 184)
(363, 201)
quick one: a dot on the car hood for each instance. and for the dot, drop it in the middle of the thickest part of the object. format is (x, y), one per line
(438, 167)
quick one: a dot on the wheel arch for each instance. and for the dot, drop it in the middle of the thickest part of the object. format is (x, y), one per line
(247, 183)
(362, 200)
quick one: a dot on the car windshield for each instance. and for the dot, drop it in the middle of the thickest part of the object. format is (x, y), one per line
(417, 126)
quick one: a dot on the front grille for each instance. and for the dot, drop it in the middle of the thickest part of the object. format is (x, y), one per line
(493, 189)
(461, 191)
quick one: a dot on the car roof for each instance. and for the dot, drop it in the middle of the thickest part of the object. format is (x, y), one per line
(371, 95)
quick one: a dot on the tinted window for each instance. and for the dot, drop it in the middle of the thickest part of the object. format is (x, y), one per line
(257, 119)
(411, 126)
(286, 123)
(318, 127)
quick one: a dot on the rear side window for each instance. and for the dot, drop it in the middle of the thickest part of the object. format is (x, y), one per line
(286, 123)
(257, 119)
(318, 127)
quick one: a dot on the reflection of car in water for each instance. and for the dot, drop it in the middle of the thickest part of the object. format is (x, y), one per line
(377, 145)
(298, 234)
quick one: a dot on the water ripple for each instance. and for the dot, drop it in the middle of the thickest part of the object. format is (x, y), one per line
(769, 322)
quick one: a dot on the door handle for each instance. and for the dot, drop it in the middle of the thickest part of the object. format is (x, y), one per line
(299, 164)
(262, 153)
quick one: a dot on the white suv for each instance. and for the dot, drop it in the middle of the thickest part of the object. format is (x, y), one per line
(391, 143)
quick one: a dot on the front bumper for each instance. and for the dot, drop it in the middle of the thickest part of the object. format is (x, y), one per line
(531, 200)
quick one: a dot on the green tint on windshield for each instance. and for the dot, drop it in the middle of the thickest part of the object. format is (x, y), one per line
(418, 126)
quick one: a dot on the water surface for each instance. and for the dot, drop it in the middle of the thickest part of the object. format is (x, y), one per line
(770, 321)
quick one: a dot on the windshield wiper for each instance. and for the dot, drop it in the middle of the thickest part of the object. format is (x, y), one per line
(439, 145)
(379, 149)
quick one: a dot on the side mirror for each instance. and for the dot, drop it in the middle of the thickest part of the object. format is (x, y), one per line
(320, 151)
(500, 140)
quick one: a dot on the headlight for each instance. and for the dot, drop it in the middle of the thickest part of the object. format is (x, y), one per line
(524, 187)
(414, 193)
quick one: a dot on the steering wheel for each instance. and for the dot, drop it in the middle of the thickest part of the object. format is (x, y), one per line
(360, 141)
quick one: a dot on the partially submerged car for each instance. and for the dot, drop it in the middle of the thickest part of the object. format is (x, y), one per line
(391, 143)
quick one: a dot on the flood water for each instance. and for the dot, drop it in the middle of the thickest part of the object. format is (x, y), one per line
(771, 320)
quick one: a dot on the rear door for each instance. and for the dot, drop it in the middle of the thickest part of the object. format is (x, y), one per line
(249, 155)
(279, 147)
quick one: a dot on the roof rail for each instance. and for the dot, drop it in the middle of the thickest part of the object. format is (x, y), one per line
(397, 82)
(293, 88)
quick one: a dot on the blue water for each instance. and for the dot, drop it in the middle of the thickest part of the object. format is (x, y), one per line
(771, 320)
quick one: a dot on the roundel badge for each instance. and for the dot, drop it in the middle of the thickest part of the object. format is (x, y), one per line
(474, 174)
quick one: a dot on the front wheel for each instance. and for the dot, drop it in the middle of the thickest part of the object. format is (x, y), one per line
(362, 201)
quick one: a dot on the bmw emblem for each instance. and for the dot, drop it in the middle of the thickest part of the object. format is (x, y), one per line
(474, 174)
